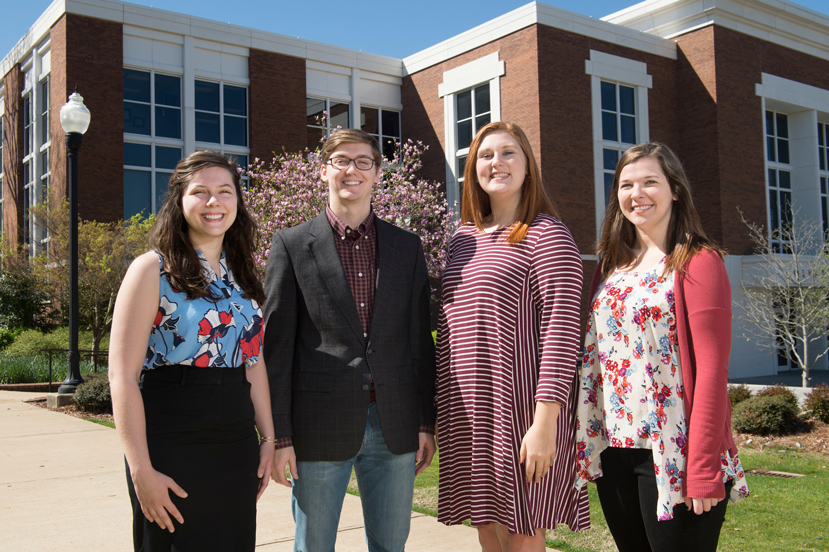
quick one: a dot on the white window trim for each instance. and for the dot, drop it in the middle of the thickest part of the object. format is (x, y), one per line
(804, 105)
(602, 66)
(824, 197)
(470, 75)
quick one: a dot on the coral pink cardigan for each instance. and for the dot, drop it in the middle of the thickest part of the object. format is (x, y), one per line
(703, 310)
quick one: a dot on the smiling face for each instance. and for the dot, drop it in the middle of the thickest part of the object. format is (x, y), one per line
(645, 197)
(209, 203)
(350, 187)
(501, 167)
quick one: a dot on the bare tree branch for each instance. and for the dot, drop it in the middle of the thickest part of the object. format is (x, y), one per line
(785, 289)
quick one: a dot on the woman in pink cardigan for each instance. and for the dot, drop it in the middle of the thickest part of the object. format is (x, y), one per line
(653, 414)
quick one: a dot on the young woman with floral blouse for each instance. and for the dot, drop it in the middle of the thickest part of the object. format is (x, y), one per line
(653, 413)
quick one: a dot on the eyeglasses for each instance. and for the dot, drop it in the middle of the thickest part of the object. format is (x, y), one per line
(342, 163)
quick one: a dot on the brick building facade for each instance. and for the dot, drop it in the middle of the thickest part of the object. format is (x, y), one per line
(739, 89)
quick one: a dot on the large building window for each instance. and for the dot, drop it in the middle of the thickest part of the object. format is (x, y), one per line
(147, 171)
(325, 115)
(153, 143)
(778, 163)
(44, 167)
(152, 104)
(221, 113)
(619, 91)
(29, 192)
(384, 125)
(618, 108)
(471, 98)
(473, 110)
(823, 173)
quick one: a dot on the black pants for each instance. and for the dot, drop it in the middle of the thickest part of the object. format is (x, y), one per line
(200, 432)
(627, 491)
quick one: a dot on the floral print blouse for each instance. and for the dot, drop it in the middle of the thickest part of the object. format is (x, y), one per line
(200, 332)
(630, 384)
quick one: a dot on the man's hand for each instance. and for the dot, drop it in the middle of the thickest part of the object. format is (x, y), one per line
(425, 452)
(284, 458)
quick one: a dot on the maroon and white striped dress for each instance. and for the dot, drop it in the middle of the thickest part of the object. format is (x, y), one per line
(508, 336)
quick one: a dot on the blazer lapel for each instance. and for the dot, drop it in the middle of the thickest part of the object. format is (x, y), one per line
(387, 288)
(324, 252)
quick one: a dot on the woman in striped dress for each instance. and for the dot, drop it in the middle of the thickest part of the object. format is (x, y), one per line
(507, 345)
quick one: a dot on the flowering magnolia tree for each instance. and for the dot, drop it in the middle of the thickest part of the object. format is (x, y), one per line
(288, 191)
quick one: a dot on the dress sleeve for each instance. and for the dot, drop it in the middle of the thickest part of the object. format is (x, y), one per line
(707, 297)
(556, 284)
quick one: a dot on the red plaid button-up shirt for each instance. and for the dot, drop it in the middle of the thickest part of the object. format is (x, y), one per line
(358, 252)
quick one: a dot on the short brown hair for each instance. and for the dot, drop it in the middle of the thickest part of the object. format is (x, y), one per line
(351, 136)
(534, 198)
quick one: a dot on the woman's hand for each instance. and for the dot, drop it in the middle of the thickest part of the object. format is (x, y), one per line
(153, 491)
(538, 447)
(700, 505)
(265, 467)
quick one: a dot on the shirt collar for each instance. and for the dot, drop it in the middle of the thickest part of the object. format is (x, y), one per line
(225, 276)
(340, 227)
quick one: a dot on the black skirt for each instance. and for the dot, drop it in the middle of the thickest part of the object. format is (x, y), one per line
(201, 433)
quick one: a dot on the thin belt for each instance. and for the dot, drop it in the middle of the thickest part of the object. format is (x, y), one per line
(193, 375)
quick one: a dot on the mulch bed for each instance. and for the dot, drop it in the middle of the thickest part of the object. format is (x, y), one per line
(71, 410)
(808, 436)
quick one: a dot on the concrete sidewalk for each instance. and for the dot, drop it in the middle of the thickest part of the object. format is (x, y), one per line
(63, 487)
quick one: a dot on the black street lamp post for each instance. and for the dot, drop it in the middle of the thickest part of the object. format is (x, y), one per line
(74, 118)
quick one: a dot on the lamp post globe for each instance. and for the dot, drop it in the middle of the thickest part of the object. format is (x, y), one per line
(74, 118)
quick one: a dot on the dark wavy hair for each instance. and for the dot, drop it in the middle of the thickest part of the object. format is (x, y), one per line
(534, 197)
(685, 234)
(170, 235)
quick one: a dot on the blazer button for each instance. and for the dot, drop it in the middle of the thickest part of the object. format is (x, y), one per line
(369, 351)
(365, 388)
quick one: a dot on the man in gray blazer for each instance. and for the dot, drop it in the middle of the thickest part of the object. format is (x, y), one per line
(350, 357)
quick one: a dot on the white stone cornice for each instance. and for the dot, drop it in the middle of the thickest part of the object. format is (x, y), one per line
(142, 17)
(777, 21)
(542, 14)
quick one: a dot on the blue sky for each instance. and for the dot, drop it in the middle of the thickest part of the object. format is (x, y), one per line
(390, 27)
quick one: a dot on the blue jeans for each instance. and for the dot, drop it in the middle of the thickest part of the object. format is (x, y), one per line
(386, 483)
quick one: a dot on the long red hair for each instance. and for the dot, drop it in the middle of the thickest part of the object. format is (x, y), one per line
(475, 206)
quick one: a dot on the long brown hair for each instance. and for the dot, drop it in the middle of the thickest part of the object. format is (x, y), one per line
(534, 198)
(170, 235)
(685, 234)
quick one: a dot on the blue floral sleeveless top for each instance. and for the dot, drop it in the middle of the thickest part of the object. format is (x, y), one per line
(201, 332)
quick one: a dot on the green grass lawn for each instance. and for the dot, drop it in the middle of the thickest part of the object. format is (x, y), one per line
(780, 515)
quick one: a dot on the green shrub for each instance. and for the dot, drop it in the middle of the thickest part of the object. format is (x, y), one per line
(8, 335)
(764, 414)
(738, 393)
(781, 391)
(818, 402)
(30, 342)
(93, 395)
(23, 304)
